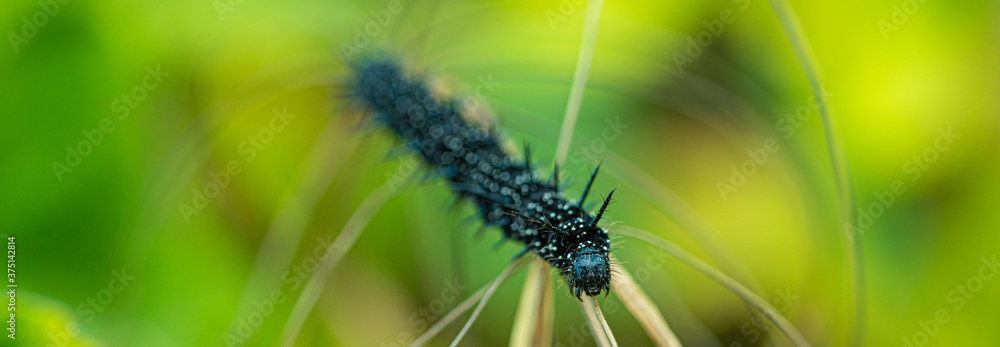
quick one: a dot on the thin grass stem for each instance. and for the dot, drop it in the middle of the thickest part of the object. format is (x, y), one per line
(584, 60)
(458, 311)
(727, 282)
(838, 162)
(604, 323)
(596, 328)
(336, 251)
(450, 317)
(591, 20)
(482, 302)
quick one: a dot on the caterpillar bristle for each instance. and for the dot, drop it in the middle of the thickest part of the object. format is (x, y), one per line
(555, 176)
(499, 244)
(586, 190)
(527, 156)
(603, 207)
(428, 176)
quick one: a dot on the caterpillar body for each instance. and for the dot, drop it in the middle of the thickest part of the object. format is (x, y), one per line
(507, 192)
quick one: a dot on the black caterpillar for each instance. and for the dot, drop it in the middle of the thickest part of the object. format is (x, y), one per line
(506, 191)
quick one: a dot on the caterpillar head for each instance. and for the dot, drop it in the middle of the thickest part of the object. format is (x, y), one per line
(591, 272)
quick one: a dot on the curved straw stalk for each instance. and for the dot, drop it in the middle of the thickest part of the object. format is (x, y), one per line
(680, 212)
(728, 282)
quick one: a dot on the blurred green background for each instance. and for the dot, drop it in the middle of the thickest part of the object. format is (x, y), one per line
(120, 116)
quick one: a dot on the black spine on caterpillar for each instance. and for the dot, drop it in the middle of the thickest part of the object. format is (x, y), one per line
(506, 191)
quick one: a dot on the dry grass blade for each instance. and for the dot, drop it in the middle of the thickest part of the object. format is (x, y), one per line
(486, 297)
(533, 321)
(596, 328)
(464, 306)
(591, 20)
(604, 322)
(343, 243)
(838, 163)
(643, 309)
(728, 282)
